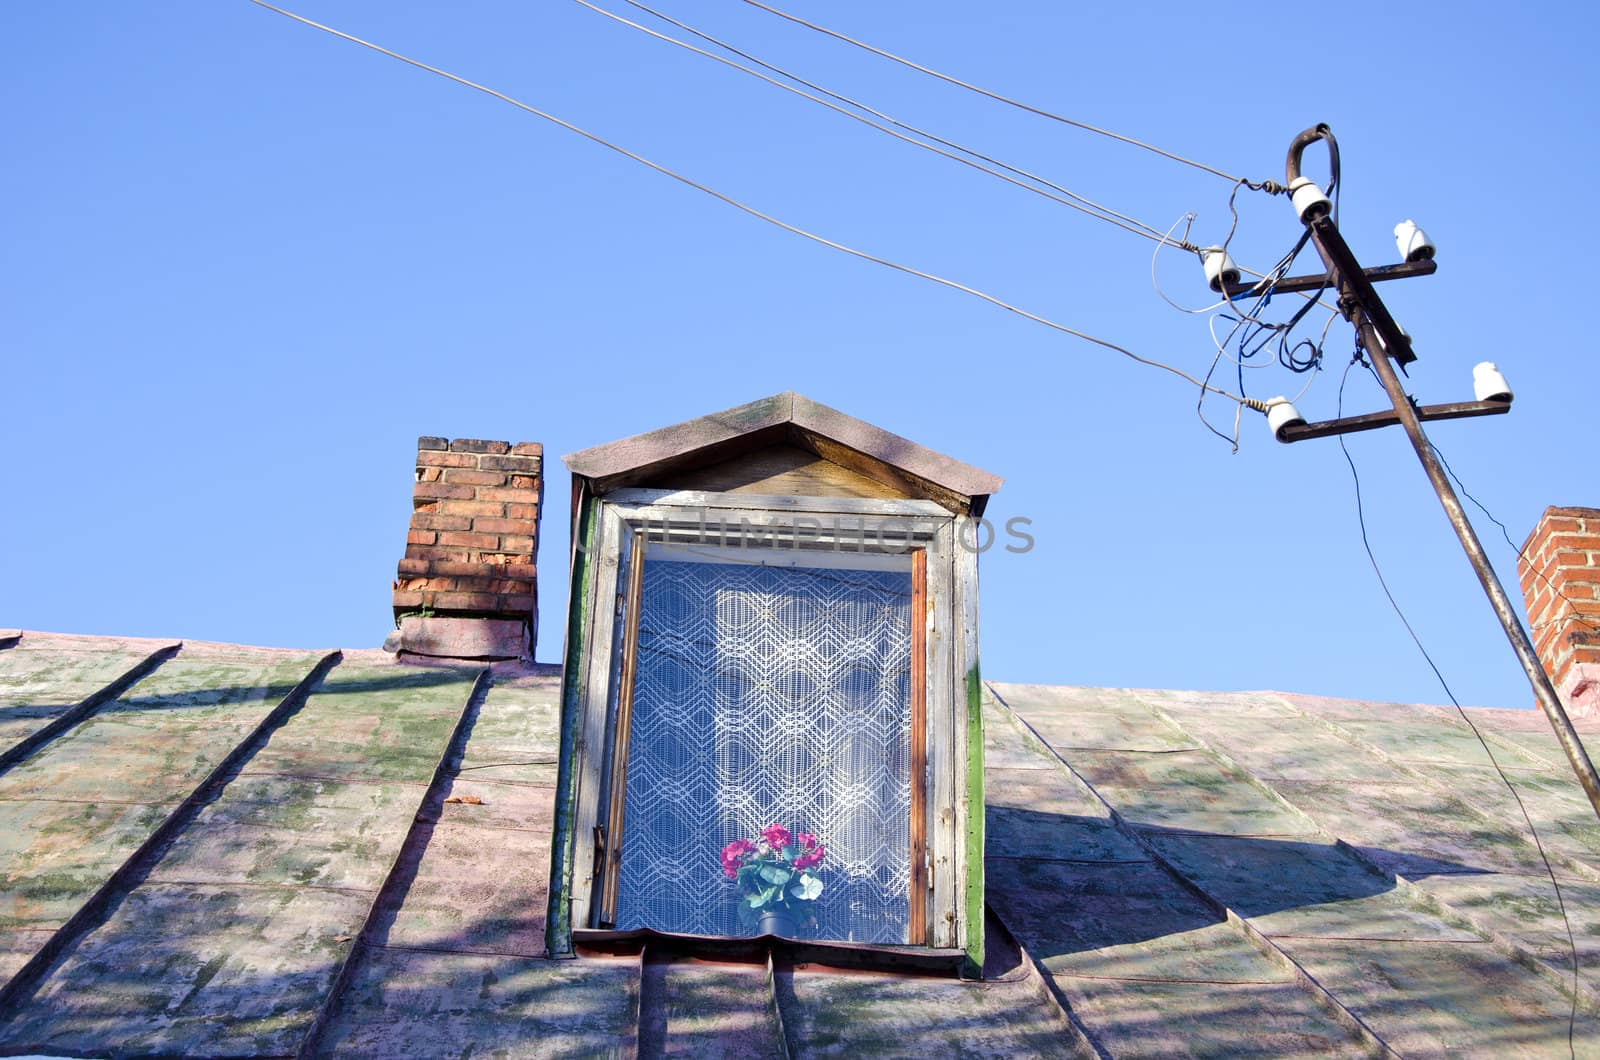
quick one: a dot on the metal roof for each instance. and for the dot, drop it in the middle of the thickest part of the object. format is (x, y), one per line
(261, 852)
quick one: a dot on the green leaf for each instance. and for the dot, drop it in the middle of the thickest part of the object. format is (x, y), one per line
(758, 899)
(775, 875)
(807, 888)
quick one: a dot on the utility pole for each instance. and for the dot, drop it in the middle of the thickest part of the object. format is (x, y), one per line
(1385, 344)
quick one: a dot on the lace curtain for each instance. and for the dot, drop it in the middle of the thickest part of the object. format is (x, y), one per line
(769, 694)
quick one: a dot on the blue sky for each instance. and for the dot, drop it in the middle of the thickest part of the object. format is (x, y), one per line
(246, 264)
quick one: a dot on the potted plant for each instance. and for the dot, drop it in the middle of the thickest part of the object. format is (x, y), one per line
(775, 872)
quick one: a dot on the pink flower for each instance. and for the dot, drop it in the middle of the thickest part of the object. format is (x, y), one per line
(806, 840)
(777, 836)
(733, 856)
(811, 857)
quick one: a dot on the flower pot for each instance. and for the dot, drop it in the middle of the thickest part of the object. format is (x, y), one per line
(779, 922)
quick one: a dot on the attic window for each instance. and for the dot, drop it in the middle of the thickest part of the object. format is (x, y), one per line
(772, 624)
(766, 687)
(737, 680)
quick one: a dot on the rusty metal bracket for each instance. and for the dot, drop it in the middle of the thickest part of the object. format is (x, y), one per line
(1293, 284)
(1459, 410)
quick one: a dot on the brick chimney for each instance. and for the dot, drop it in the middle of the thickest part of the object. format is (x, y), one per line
(466, 588)
(1560, 573)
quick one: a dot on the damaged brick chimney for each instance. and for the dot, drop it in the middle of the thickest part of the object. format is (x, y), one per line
(466, 588)
(1560, 573)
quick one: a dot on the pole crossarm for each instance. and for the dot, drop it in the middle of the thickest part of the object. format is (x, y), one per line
(1458, 410)
(1294, 284)
(1387, 345)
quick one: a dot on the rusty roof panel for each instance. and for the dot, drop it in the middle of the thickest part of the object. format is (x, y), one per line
(1188, 873)
(161, 737)
(834, 1014)
(1130, 921)
(280, 870)
(1416, 888)
(419, 1003)
(1111, 720)
(82, 804)
(1445, 998)
(44, 676)
(1185, 789)
(1565, 821)
(516, 736)
(194, 970)
(1140, 1018)
(477, 890)
(1302, 888)
(374, 721)
(709, 1011)
(1409, 826)
(53, 855)
(1523, 910)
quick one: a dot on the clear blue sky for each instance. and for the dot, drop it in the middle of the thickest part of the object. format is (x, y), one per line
(245, 264)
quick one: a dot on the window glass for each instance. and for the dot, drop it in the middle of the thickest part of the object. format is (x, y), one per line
(769, 695)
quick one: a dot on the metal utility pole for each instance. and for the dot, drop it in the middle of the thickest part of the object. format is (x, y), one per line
(1384, 343)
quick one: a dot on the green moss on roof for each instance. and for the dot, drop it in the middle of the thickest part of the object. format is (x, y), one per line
(1185, 873)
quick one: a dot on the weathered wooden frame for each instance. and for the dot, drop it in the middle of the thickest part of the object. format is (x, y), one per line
(854, 527)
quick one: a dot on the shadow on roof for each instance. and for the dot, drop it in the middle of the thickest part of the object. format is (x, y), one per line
(1126, 892)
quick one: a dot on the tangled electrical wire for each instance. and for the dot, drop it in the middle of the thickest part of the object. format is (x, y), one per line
(1252, 339)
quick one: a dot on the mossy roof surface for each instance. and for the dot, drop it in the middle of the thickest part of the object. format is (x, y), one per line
(249, 850)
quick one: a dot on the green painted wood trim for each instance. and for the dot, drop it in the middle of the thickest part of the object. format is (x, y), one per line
(973, 912)
(558, 919)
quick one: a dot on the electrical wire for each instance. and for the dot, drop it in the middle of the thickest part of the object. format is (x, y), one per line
(1156, 254)
(1089, 206)
(1257, 333)
(1247, 320)
(1576, 616)
(759, 215)
(1266, 185)
(1366, 544)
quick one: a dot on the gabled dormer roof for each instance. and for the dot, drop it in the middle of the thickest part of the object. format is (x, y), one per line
(786, 419)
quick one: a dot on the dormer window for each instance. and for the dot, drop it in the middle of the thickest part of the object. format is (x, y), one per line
(769, 637)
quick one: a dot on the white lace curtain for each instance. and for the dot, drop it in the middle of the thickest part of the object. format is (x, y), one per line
(769, 695)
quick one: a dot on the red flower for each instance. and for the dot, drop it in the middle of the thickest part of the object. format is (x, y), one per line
(777, 836)
(811, 857)
(805, 839)
(733, 856)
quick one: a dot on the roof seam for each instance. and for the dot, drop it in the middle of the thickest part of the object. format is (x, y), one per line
(1405, 886)
(1314, 987)
(432, 799)
(403, 947)
(1175, 980)
(1355, 739)
(1376, 938)
(135, 869)
(87, 707)
(156, 881)
(486, 826)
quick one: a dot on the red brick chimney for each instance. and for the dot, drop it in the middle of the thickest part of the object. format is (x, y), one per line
(466, 588)
(1560, 572)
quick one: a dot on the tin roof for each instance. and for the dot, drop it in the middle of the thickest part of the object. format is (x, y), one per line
(236, 851)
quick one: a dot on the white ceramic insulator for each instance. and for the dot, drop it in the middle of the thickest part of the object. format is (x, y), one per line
(1220, 269)
(1281, 414)
(1307, 198)
(1413, 242)
(1488, 384)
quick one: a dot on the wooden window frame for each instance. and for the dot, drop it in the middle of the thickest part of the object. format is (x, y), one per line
(627, 521)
